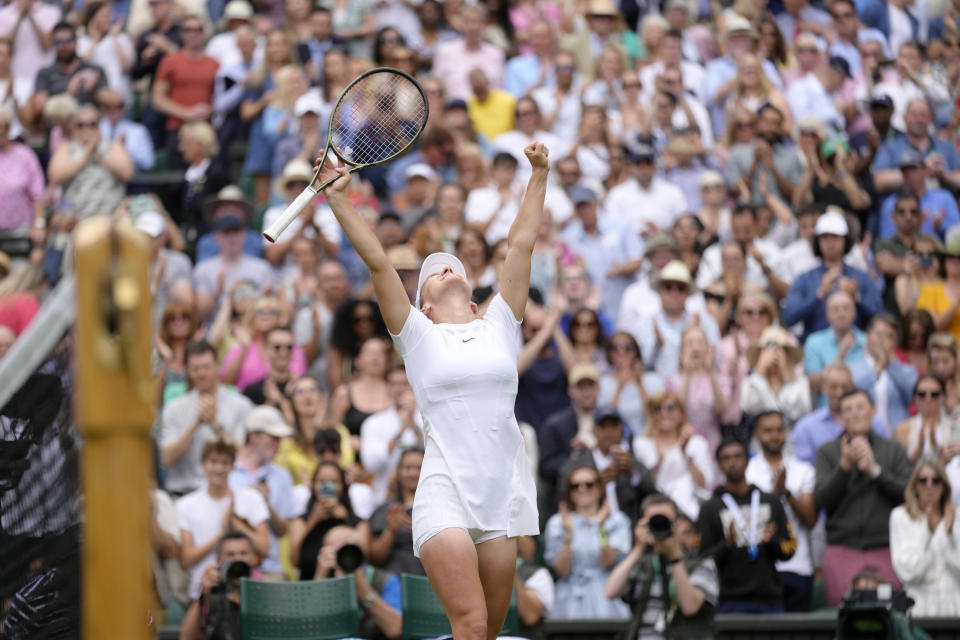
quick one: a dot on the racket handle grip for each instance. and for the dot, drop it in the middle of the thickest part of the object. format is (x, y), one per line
(289, 214)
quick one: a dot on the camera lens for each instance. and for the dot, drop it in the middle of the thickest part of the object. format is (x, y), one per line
(349, 558)
(233, 570)
(661, 527)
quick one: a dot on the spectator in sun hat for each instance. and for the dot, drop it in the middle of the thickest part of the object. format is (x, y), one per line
(229, 201)
(659, 332)
(223, 47)
(806, 299)
(304, 140)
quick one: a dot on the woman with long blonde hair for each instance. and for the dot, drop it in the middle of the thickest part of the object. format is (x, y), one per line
(753, 89)
(923, 542)
(678, 459)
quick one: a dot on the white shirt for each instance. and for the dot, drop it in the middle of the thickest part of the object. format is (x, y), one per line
(798, 258)
(376, 432)
(223, 48)
(904, 91)
(566, 124)
(901, 30)
(660, 204)
(692, 79)
(515, 141)
(673, 478)
(808, 97)
(201, 516)
(486, 205)
(927, 563)
(464, 377)
(105, 56)
(711, 264)
(665, 357)
(800, 480)
(322, 217)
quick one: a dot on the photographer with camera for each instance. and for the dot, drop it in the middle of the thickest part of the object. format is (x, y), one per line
(671, 590)
(378, 591)
(216, 614)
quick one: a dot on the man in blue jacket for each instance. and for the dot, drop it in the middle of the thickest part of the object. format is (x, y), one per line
(806, 299)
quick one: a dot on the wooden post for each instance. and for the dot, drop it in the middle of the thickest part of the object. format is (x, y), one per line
(114, 414)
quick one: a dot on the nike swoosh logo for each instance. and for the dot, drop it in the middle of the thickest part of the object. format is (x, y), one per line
(469, 339)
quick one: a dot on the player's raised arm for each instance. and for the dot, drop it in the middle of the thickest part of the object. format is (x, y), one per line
(515, 276)
(391, 296)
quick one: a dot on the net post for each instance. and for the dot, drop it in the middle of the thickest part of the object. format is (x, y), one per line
(114, 409)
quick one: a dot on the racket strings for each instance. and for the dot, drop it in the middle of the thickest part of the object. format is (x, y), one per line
(378, 117)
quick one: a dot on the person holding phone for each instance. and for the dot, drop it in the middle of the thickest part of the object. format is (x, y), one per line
(476, 493)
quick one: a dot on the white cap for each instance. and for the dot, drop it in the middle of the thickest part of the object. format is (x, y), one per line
(309, 102)
(832, 222)
(151, 223)
(238, 10)
(268, 420)
(420, 170)
(435, 263)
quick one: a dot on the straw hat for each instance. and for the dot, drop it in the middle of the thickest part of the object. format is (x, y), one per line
(230, 194)
(775, 336)
(296, 170)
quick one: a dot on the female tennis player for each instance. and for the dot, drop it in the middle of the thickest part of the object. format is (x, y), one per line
(476, 492)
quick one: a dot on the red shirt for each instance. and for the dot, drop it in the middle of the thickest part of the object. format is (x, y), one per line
(190, 80)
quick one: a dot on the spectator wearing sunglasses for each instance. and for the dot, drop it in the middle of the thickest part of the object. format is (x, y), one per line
(659, 334)
(936, 210)
(891, 252)
(271, 388)
(926, 434)
(584, 541)
(923, 542)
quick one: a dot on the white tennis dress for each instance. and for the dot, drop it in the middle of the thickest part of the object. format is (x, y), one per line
(475, 475)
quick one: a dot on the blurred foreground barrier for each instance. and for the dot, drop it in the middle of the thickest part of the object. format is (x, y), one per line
(808, 626)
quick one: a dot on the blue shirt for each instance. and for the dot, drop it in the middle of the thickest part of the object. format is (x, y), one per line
(522, 73)
(803, 305)
(614, 242)
(817, 428)
(280, 484)
(136, 140)
(888, 156)
(932, 202)
(821, 348)
(207, 245)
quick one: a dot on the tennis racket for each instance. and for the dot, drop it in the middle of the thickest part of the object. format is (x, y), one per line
(377, 118)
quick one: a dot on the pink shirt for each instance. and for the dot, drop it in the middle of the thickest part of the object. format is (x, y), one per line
(256, 368)
(29, 56)
(17, 311)
(453, 62)
(21, 186)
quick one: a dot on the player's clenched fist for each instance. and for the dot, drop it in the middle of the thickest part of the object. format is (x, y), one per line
(537, 154)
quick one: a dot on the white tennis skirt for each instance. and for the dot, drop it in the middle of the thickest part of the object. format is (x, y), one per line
(437, 506)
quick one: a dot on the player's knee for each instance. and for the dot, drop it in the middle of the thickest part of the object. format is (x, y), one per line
(472, 625)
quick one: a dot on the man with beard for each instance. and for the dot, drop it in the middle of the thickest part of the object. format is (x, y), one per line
(791, 480)
(68, 74)
(771, 154)
(747, 532)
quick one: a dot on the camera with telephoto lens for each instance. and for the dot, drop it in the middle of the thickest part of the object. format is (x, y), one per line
(661, 527)
(230, 573)
(349, 558)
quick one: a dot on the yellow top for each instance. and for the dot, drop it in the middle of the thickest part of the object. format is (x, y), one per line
(301, 464)
(933, 298)
(493, 117)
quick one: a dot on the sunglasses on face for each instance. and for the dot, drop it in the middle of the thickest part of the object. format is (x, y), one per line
(362, 319)
(674, 286)
(324, 450)
(576, 486)
(302, 390)
(282, 347)
(934, 481)
(62, 42)
(265, 312)
(621, 346)
(85, 124)
(583, 323)
(666, 406)
(929, 395)
(523, 114)
(755, 313)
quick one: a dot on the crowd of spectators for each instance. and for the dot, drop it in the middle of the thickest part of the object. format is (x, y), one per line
(745, 303)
